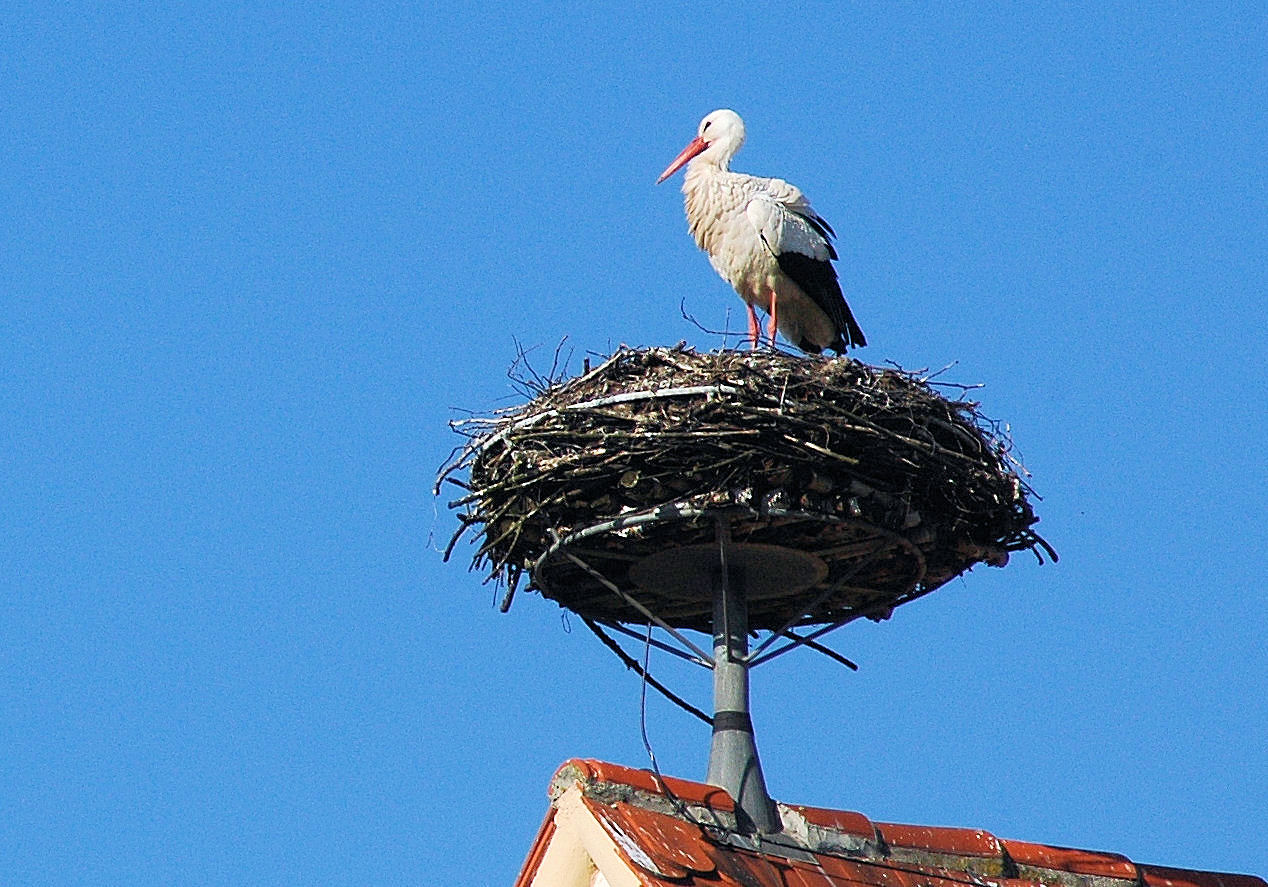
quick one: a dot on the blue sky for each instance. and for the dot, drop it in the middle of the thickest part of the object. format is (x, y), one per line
(256, 255)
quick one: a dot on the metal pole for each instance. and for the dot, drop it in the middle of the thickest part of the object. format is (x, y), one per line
(733, 761)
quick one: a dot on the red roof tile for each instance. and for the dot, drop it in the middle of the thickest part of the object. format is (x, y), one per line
(1079, 862)
(957, 841)
(671, 842)
(646, 780)
(685, 836)
(1161, 876)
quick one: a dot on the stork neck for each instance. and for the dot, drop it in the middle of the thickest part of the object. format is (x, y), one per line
(703, 175)
(704, 165)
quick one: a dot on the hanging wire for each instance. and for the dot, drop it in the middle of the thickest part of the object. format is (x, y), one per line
(707, 829)
(633, 664)
(642, 704)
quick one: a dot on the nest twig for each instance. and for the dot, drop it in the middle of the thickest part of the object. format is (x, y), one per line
(760, 429)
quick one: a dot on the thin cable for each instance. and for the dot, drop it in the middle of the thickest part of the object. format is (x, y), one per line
(683, 810)
(642, 704)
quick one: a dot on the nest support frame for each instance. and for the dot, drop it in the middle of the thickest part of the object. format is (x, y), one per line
(730, 577)
(801, 569)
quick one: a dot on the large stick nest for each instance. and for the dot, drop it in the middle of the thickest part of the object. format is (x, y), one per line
(895, 487)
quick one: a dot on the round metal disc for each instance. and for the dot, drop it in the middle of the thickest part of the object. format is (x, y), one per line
(765, 571)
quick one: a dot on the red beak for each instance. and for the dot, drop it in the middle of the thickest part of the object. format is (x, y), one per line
(694, 147)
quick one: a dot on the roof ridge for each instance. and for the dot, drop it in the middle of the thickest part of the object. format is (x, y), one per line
(819, 837)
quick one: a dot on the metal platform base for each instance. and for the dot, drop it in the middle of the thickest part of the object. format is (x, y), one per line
(798, 568)
(762, 571)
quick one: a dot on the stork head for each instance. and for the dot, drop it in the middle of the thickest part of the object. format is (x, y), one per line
(720, 135)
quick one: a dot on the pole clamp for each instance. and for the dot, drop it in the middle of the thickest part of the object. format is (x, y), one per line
(732, 720)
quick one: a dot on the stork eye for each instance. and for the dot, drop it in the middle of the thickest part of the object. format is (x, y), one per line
(706, 126)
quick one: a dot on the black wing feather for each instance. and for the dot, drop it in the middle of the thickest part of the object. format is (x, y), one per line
(818, 280)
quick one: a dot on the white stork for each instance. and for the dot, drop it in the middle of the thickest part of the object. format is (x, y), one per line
(763, 237)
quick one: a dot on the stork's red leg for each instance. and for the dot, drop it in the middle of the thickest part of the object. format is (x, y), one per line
(771, 328)
(754, 329)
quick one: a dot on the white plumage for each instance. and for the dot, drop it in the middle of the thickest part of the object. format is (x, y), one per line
(766, 240)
